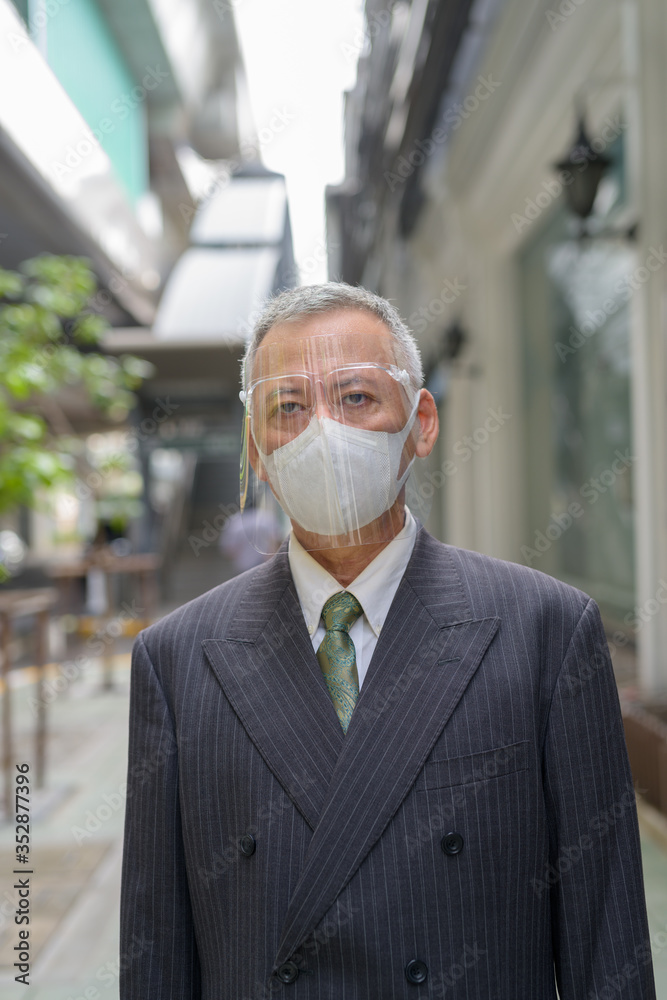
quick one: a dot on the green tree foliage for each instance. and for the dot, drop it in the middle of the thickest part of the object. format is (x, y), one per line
(48, 339)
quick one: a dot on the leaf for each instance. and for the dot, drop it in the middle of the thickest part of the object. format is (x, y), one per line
(136, 368)
(89, 328)
(28, 427)
(11, 284)
(48, 333)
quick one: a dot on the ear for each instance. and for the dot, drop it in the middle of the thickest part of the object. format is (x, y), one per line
(428, 423)
(255, 461)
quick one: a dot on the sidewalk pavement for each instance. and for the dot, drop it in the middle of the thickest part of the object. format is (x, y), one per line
(76, 839)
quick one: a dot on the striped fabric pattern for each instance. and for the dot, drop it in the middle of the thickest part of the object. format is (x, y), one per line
(473, 835)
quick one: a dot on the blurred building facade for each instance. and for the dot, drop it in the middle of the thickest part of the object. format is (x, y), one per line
(120, 119)
(188, 423)
(545, 351)
(102, 99)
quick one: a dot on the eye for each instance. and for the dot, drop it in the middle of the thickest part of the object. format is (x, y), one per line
(289, 407)
(355, 399)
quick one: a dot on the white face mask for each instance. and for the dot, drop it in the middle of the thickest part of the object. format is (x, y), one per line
(333, 479)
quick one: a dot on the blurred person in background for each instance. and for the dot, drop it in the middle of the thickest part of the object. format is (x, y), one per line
(375, 765)
(245, 527)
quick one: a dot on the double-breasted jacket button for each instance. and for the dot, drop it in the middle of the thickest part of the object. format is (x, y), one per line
(452, 843)
(247, 844)
(416, 971)
(287, 972)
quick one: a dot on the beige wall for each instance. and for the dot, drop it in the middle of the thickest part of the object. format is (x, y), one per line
(500, 157)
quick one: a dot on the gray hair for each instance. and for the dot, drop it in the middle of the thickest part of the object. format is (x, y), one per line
(309, 300)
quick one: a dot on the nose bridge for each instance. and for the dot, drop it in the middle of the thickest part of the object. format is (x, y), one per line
(321, 404)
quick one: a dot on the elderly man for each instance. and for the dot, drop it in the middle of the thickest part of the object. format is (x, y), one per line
(376, 766)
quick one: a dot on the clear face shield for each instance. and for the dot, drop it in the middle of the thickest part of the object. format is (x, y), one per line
(330, 430)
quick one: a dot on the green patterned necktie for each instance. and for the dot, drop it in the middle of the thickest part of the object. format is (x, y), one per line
(336, 654)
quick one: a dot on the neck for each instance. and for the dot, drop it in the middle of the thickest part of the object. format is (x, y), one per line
(345, 562)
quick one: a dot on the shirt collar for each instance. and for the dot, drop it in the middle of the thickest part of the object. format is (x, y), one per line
(374, 588)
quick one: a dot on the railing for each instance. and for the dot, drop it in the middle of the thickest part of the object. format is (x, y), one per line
(18, 604)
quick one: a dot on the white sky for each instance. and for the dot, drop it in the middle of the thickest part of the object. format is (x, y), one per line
(300, 55)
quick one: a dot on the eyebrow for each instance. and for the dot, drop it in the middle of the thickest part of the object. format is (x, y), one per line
(283, 390)
(355, 380)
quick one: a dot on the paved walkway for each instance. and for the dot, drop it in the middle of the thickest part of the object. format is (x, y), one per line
(76, 848)
(76, 842)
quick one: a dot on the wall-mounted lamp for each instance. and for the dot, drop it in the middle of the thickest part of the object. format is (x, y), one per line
(442, 362)
(585, 164)
(453, 339)
(587, 167)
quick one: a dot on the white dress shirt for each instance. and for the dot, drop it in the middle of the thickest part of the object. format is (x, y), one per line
(374, 588)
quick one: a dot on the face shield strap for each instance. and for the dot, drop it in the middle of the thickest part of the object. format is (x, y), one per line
(399, 375)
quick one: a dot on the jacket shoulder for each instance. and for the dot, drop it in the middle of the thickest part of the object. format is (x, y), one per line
(499, 587)
(476, 565)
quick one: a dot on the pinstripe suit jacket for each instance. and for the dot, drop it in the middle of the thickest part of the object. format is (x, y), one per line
(478, 819)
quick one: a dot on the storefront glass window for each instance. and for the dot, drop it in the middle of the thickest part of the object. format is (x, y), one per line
(576, 297)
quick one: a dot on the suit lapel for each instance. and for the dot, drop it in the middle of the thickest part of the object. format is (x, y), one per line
(269, 673)
(429, 650)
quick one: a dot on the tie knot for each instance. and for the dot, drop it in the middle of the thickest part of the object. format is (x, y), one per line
(341, 612)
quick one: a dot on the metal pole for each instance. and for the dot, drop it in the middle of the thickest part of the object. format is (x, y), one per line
(6, 714)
